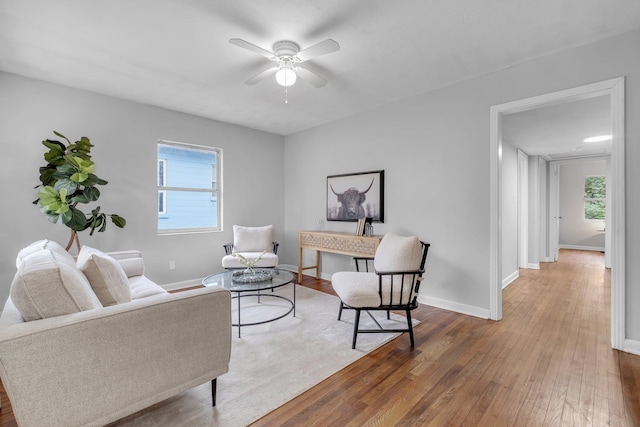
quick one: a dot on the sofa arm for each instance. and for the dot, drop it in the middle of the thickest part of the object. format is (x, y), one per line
(130, 261)
(94, 367)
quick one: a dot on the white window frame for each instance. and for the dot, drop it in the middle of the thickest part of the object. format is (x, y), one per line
(215, 192)
(162, 210)
(588, 199)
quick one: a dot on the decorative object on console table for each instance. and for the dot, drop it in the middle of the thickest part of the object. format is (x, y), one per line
(356, 195)
(334, 242)
(368, 227)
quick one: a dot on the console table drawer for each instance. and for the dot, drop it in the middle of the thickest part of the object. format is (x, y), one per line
(337, 243)
(361, 246)
(333, 243)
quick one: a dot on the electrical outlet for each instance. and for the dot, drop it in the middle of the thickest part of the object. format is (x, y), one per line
(172, 265)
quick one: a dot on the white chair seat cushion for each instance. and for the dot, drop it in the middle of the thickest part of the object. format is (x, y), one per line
(361, 289)
(48, 284)
(268, 260)
(106, 276)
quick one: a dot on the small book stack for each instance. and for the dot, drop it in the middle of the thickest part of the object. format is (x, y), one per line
(362, 225)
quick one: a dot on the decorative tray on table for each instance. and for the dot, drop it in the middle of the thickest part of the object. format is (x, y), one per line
(244, 276)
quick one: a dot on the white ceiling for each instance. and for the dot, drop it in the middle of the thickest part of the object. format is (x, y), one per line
(176, 54)
(558, 131)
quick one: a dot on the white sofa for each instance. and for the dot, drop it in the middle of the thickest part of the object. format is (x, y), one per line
(76, 362)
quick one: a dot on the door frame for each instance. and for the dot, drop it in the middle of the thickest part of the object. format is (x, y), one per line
(523, 209)
(615, 89)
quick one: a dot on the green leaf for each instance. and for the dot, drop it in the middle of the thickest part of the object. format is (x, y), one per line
(54, 157)
(46, 174)
(61, 136)
(118, 220)
(79, 177)
(52, 200)
(78, 220)
(67, 184)
(55, 146)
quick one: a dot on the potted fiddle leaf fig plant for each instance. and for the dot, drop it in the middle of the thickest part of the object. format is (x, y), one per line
(67, 180)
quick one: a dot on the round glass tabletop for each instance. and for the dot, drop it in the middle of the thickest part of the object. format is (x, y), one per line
(226, 280)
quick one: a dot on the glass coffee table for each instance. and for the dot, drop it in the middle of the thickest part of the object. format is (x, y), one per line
(240, 288)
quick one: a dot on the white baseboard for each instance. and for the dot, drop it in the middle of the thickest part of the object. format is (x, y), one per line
(533, 266)
(547, 259)
(631, 346)
(583, 248)
(455, 306)
(510, 278)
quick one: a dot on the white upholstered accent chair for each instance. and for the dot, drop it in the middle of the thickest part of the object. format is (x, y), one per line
(251, 242)
(399, 264)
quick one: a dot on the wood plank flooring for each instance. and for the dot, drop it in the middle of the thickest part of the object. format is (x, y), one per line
(547, 363)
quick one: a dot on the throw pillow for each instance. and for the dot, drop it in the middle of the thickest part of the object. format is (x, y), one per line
(48, 284)
(106, 276)
(398, 253)
(252, 239)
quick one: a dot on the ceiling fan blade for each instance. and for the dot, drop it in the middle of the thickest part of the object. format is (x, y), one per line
(252, 47)
(322, 48)
(310, 76)
(261, 75)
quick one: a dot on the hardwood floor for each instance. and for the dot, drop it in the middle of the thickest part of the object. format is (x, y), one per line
(547, 363)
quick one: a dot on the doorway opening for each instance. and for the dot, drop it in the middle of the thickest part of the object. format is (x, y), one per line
(615, 89)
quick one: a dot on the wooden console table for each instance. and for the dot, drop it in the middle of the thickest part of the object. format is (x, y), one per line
(337, 243)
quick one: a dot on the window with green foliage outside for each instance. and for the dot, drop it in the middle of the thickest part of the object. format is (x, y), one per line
(595, 193)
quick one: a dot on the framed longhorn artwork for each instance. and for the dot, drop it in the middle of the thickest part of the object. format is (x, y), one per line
(355, 195)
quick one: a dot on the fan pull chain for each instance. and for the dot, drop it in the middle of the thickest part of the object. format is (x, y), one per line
(286, 95)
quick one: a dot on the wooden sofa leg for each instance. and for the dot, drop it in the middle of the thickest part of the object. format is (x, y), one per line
(213, 391)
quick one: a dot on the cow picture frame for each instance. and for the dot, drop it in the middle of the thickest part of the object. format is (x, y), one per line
(353, 196)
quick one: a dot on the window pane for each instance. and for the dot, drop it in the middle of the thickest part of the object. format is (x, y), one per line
(594, 209)
(189, 209)
(190, 167)
(595, 187)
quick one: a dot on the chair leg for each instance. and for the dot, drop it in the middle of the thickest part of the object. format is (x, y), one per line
(214, 383)
(388, 314)
(356, 324)
(340, 312)
(410, 327)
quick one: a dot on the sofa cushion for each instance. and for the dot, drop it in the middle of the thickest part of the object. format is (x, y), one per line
(130, 261)
(40, 245)
(48, 284)
(142, 287)
(106, 276)
(252, 239)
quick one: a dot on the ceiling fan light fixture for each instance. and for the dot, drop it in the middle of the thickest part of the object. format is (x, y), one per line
(285, 76)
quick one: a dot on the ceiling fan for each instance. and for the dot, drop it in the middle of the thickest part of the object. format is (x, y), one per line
(288, 59)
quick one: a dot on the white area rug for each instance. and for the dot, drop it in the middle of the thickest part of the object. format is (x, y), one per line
(272, 363)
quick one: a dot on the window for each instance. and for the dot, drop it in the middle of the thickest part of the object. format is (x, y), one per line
(189, 198)
(595, 192)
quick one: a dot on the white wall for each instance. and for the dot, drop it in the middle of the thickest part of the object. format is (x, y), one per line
(509, 214)
(125, 136)
(434, 148)
(575, 232)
